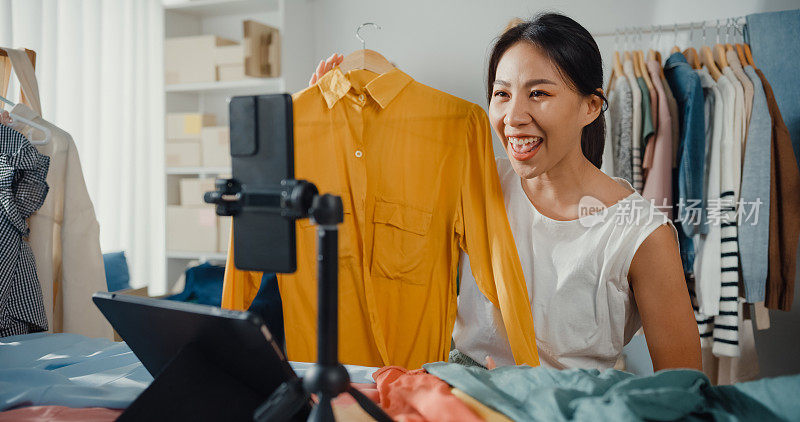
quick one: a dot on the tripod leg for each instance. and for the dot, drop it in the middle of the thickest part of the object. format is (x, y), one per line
(323, 411)
(369, 406)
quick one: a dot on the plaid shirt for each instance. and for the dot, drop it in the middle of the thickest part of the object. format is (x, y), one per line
(23, 188)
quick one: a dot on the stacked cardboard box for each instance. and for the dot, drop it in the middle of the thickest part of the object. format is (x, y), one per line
(209, 58)
(193, 226)
(192, 59)
(184, 138)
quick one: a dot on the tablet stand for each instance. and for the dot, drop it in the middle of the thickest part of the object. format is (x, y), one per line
(300, 199)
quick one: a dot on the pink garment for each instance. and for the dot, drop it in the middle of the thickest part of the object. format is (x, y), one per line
(658, 186)
(60, 414)
(419, 396)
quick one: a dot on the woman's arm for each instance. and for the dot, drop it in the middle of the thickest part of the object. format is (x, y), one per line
(656, 277)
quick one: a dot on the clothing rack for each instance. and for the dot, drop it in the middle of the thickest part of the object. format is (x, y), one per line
(738, 23)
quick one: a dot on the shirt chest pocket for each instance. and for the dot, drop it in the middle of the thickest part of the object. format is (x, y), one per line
(400, 243)
(307, 230)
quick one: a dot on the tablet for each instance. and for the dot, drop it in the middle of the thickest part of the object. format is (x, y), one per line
(230, 345)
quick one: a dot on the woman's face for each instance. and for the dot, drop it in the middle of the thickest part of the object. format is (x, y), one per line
(536, 114)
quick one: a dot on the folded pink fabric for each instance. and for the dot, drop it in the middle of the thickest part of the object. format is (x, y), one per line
(60, 414)
(419, 396)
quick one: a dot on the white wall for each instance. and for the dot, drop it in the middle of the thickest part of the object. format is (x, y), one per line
(445, 43)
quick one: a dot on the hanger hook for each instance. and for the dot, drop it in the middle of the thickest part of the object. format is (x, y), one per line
(704, 32)
(358, 33)
(675, 29)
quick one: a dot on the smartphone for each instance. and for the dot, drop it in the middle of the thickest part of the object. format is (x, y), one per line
(262, 152)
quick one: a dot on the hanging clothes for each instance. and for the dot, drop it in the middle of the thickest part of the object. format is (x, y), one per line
(22, 191)
(688, 183)
(636, 137)
(748, 91)
(784, 226)
(755, 196)
(658, 184)
(704, 284)
(65, 235)
(647, 129)
(726, 326)
(620, 109)
(415, 170)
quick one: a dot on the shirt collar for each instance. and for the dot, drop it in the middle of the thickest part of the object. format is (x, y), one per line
(675, 59)
(383, 89)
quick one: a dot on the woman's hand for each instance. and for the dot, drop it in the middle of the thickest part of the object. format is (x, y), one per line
(5, 118)
(325, 66)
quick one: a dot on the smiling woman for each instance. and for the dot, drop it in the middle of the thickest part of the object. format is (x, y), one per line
(581, 270)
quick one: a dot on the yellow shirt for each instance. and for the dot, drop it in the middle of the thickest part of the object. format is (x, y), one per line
(415, 169)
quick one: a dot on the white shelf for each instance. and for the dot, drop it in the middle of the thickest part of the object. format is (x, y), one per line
(198, 170)
(242, 87)
(202, 256)
(211, 8)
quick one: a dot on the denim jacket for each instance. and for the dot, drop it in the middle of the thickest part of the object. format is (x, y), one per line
(688, 91)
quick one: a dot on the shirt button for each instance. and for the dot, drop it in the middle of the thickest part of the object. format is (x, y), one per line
(359, 154)
(361, 98)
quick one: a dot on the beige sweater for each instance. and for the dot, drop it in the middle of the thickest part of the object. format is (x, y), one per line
(65, 235)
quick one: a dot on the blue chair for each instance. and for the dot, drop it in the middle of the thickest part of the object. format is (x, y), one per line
(117, 275)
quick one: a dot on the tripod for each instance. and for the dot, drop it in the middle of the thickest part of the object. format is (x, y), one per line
(300, 199)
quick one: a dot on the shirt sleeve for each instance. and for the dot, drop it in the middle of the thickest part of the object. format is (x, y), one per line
(484, 233)
(239, 287)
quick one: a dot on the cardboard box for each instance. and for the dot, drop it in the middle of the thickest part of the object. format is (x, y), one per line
(229, 54)
(224, 232)
(188, 125)
(193, 189)
(182, 153)
(262, 45)
(216, 145)
(191, 59)
(192, 228)
(230, 72)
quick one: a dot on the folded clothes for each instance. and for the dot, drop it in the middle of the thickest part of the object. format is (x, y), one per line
(525, 393)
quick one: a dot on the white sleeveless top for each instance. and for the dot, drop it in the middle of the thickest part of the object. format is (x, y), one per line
(576, 271)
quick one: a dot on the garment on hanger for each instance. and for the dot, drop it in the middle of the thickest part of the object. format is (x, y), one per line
(415, 170)
(636, 138)
(688, 193)
(647, 130)
(726, 328)
(620, 107)
(674, 119)
(23, 171)
(784, 226)
(64, 233)
(755, 196)
(747, 87)
(658, 184)
(704, 285)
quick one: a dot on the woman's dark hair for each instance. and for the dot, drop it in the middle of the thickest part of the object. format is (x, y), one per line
(574, 52)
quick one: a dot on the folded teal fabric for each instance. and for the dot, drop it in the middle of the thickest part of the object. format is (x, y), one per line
(525, 393)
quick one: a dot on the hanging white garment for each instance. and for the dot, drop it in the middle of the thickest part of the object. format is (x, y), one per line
(65, 235)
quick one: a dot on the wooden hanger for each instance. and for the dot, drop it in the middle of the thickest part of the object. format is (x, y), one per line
(740, 53)
(31, 56)
(645, 73)
(692, 57)
(719, 56)
(365, 59)
(748, 55)
(708, 61)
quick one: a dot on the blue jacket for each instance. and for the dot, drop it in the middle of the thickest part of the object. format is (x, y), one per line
(688, 91)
